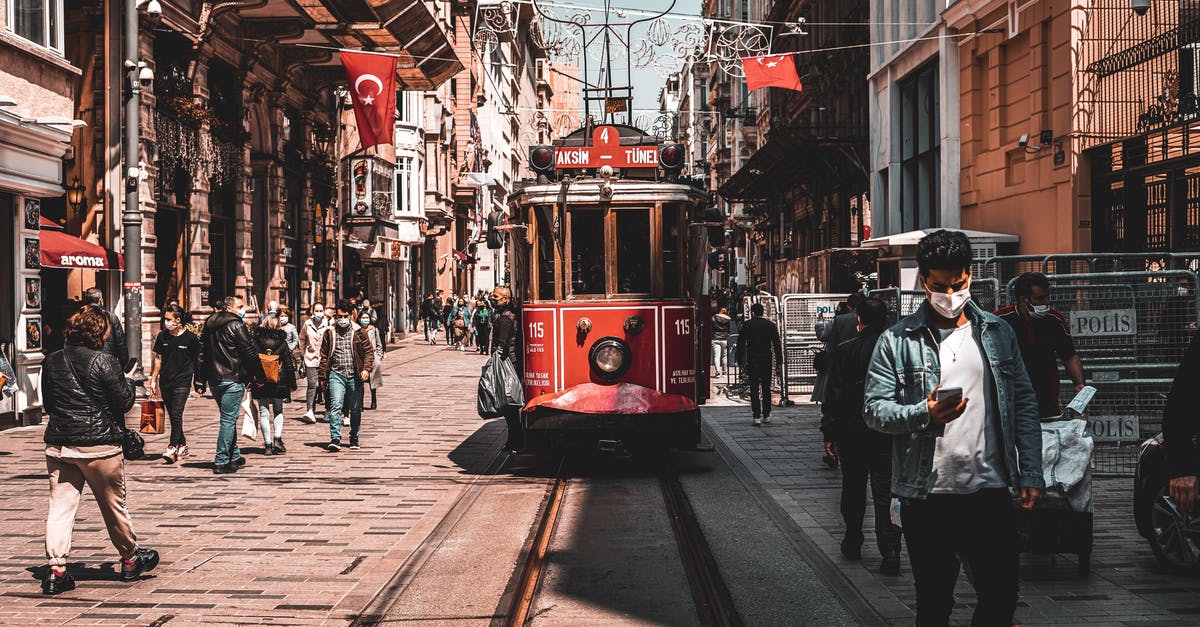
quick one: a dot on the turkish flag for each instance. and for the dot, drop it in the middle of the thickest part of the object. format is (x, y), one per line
(771, 71)
(372, 79)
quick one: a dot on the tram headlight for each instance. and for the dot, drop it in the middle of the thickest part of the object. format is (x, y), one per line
(610, 357)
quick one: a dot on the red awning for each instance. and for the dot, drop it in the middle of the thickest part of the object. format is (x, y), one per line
(60, 250)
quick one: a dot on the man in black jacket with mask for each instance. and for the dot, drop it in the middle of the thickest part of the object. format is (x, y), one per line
(862, 451)
(230, 361)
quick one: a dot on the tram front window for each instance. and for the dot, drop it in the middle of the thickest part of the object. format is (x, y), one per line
(633, 251)
(587, 252)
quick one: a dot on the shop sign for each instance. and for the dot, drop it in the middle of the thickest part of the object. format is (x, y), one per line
(606, 149)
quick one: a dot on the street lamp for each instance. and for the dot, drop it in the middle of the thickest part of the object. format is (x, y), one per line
(75, 193)
(1141, 7)
(322, 138)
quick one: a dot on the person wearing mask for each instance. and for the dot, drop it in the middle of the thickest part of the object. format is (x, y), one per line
(448, 317)
(758, 348)
(459, 327)
(720, 340)
(1180, 427)
(270, 339)
(86, 396)
(844, 326)
(429, 318)
(376, 380)
(863, 453)
(347, 358)
(176, 362)
(1043, 334)
(289, 328)
(310, 350)
(949, 385)
(230, 361)
(114, 343)
(483, 326)
(507, 342)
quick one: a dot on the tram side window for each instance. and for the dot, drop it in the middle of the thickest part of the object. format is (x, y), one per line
(671, 252)
(587, 252)
(545, 255)
(633, 251)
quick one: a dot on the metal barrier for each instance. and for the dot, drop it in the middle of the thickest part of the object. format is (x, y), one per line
(801, 315)
(1005, 268)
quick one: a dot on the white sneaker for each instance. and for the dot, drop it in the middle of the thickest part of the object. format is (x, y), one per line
(766, 420)
(170, 455)
(182, 452)
(758, 422)
(345, 422)
(309, 418)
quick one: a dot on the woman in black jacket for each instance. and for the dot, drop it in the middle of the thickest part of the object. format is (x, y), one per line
(272, 340)
(86, 396)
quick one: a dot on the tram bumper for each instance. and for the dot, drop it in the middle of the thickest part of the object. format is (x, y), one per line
(588, 413)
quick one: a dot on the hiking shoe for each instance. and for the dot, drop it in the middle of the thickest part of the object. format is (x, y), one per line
(224, 469)
(334, 446)
(279, 447)
(144, 560)
(757, 422)
(354, 444)
(56, 584)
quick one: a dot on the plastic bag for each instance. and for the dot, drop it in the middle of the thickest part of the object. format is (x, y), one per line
(249, 430)
(500, 387)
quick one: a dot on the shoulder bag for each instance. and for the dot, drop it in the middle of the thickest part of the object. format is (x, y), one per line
(133, 446)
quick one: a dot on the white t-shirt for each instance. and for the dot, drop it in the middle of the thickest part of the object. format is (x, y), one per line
(967, 458)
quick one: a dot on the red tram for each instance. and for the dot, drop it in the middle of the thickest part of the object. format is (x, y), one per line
(608, 263)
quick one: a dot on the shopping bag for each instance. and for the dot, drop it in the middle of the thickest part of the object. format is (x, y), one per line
(499, 388)
(249, 430)
(153, 417)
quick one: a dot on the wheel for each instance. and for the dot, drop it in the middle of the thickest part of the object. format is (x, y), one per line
(1174, 538)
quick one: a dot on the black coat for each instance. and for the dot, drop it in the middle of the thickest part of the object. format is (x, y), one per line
(506, 336)
(842, 409)
(274, 342)
(229, 353)
(114, 344)
(758, 343)
(1180, 423)
(88, 410)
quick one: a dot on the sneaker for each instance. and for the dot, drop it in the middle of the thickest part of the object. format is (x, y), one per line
(182, 452)
(890, 565)
(334, 446)
(171, 455)
(757, 422)
(144, 560)
(851, 550)
(767, 419)
(279, 447)
(224, 469)
(309, 418)
(345, 421)
(239, 462)
(56, 584)
(268, 449)
(354, 444)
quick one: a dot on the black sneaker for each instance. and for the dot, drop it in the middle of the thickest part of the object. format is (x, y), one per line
(56, 584)
(354, 444)
(268, 449)
(851, 550)
(144, 560)
(239, 462)
(279, 447)
(890, 565)
(334, 446)
(224, 469)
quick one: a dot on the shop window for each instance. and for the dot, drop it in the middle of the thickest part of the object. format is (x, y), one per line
(587, 252)
(633, 251)
(39, 21)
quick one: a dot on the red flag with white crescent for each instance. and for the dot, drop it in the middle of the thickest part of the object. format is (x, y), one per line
(372, 79)
(771, 71)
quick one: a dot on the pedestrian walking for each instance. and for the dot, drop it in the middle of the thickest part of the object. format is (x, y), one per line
(289, 328)
(230, 361)
(1042, 333)
(310, 350)
(948, 384)
(483, 326)
(429, 318)
(720, 340)
(176, 364)
(507, 342)
(278, 383)
(864, 454)
(376, 380)
(447, 317)
(347, 358)
(759, 348)
(844, 326)
(1180, 427)
(114, 343)
(459, 328)
(86, 395)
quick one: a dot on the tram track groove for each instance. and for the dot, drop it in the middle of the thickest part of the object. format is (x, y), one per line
(533, 566)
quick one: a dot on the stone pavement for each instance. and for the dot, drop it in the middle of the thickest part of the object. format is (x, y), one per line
(1125, 586)
(305, 538)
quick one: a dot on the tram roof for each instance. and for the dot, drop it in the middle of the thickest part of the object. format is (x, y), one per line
(625, 192)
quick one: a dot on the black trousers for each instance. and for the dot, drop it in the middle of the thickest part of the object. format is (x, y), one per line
(516, 432)
(760, 389)
(482, 336)
(175, 401)
(982, 528)
(868, 457)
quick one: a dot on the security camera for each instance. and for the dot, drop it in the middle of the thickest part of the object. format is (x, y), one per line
(1141, 7)
(145, 76)
(1024, 140)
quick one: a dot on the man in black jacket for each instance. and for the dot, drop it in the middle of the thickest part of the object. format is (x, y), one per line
(756, 339)
(506, 340)
(114, 344)
(230, 361)
(863, 452)
(1180, 427)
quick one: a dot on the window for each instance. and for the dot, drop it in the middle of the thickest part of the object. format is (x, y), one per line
(404, 185)
(672, 282)
(919, 159)
(39, 21)
(633, 251)
(408, 107)
(587, 252)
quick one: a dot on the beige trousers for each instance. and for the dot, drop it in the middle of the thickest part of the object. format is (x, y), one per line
(106, 477)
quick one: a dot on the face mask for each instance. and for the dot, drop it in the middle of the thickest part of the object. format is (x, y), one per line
(949, 305)
(284, 319)
(364, 321)
(170, 324)
(241, 313)
(319, 316)
(1039, 311)
(343, 322)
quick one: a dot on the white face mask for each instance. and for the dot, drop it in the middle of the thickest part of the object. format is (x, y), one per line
(284, 319)
(241, 313)
(949, 306)
(170, 324)
(343, 322)
(1039, 311)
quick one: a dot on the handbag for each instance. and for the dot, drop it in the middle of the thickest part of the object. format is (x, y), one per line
(133, 446)
(153, 417)
(821, 361)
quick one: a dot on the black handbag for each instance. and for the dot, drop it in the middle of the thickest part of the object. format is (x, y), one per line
(821, 361)
(133, 445)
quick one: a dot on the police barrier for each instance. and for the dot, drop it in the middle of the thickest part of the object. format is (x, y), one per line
(802, 315)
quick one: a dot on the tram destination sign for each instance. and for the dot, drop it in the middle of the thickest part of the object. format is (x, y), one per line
(606, 149)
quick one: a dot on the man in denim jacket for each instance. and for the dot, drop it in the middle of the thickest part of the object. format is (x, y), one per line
(956, 456)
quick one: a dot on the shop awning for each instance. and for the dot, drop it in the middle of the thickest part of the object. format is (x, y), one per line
(60, 250)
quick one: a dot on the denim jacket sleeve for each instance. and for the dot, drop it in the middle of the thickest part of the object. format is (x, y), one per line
(882, 410)
(1027, 425)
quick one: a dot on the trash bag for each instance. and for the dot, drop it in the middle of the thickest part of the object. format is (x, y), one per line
(500, 387)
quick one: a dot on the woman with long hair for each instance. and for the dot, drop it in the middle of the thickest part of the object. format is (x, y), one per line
(271, 339)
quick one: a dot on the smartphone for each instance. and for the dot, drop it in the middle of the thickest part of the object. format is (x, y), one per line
(130, 363)
(946, 393)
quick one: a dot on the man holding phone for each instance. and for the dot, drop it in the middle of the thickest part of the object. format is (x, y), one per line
(949, 385)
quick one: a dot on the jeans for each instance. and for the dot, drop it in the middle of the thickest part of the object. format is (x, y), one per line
(176, 400)
(312, 373)
(863, 456)
(720, 351)
(269, 408)
(760, 389)
(228, 395)
(982, 529)
(345, 393)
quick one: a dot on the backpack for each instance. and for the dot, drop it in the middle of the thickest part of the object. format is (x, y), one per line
(270, 366)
